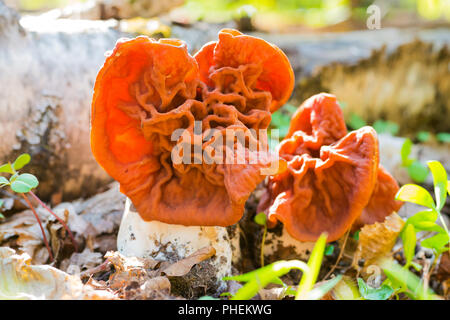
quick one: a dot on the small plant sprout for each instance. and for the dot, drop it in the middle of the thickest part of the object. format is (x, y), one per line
(356, 122)
(423, 136)
(443, 137)
(23, 184)
(404, 281)
(260, 278)
(416, 170)
(386, 127)
(368, 293)
(426, 220)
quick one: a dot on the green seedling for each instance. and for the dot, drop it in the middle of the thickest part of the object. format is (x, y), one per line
(23, 184)
(386, 127)
(426, 220)
(402, 280)
(443, 137)
(416, 170)
(329, 249)
(356, 122)
(423, 136)
(367, 292)
(281, 120)
(318, 292)
(260, 278)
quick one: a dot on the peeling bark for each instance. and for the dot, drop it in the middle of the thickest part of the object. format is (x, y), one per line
(46, 82)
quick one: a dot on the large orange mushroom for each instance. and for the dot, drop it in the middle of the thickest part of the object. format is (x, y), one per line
(147, 89)
(333, 181)
(261, 67)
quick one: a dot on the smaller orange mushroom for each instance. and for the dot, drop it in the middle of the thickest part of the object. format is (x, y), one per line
(333, 180)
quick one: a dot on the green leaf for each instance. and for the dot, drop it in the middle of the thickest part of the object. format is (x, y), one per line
(436, 242)
(329, 250)
(417, 171)
(225, 294)
(389, 127)
(259, 278)
(342, 104)
(443, 137)
(440, 182)
(405, 152)
(356, 122)
(409, 243)
(426, 215)
(448, 187)
(3, 181)
(369, 293)
(402, 278)
(415, 194)
(423, 136)
(281, 121)
(24, 183)
(318, 292)
(6, 168)
(429, 226)
(260, 219)
(314, 264)
(356, 235)
(13, 177)
(21, 161)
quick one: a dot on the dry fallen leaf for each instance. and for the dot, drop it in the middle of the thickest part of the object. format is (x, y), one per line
(21, 280)
(182, 267)
(155, 288)
(79, 262)
(378, 239)
(22, 231)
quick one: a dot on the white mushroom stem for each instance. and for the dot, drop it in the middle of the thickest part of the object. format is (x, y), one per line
(170, 242)
(284, 247)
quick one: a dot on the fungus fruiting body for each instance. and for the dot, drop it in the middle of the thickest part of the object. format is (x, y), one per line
(333, 179)
(148, 89)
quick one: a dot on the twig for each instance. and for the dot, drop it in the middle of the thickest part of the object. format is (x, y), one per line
(40, 225)
(75, 244)
(90, 272)
(339, 257)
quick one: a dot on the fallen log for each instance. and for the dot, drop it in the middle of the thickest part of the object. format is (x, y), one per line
(48, 68)
(46, 81)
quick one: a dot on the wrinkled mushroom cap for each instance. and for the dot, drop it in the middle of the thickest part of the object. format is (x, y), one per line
(235, 49)
(325, 194)
(144, 92)
(333, 180)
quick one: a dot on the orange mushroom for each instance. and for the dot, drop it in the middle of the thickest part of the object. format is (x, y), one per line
(333, 180)
(148, 89)
(261, 66)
